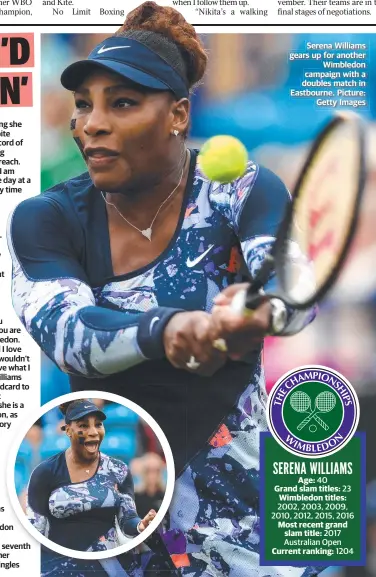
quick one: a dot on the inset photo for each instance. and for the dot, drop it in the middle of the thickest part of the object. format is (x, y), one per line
(92, 476)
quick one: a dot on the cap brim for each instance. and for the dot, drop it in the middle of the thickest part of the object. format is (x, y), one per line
(76, 73)
(86, 412)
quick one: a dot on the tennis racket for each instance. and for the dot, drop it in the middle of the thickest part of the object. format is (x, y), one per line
(324, 403)
(301, 403)
(320, 222)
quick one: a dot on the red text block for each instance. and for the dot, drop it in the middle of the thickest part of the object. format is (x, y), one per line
(16, 89)
(17, 50)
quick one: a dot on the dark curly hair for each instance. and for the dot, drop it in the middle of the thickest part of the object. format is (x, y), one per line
(165, 31)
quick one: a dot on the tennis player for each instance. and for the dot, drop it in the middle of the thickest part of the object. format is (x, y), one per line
(74, 497)
(116, 273)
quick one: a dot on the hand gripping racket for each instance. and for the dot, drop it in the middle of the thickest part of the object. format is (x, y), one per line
(319, 223)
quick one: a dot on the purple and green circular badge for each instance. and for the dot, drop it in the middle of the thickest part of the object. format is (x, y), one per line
(313, 411)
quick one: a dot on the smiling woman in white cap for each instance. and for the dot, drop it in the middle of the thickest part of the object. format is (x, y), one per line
(117, 273)
(74, 497)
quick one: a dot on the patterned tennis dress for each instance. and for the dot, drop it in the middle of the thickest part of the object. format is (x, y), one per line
(81, 516)
(106, 331)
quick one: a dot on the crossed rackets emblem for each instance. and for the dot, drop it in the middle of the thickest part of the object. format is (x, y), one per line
(301, 403)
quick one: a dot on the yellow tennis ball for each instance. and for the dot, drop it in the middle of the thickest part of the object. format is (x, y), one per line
(223, 159)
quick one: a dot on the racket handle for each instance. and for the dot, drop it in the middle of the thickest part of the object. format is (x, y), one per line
(320, 422)
(304, 422)
(244, 302)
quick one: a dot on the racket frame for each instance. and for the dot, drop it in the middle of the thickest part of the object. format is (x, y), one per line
(254, 295)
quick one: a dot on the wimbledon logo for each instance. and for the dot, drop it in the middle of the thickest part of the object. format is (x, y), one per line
(313, 411)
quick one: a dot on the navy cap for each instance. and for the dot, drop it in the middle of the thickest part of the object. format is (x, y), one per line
(81, 409)
(130, 59)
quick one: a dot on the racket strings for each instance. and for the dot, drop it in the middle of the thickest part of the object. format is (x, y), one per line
(325, 206)
(300, 402)
(325, 402)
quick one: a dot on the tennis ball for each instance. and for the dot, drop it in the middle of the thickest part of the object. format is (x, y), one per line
(223, 159)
